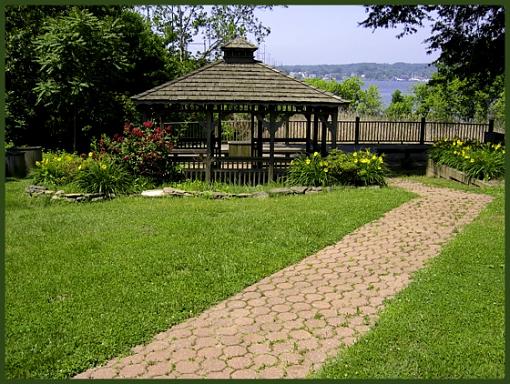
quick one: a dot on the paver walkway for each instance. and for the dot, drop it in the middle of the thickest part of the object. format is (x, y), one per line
(288, 323)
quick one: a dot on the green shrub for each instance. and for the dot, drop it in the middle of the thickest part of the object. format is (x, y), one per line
(312, 171)
(357, 168)
(480, 161)
(370, 168)
(56, 168)
(103, 175)
(144, 151)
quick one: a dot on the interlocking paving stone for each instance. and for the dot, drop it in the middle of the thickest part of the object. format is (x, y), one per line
(289, 323)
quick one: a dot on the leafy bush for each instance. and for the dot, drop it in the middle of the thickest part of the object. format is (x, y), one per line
(313, 171)
(477, 160)
(56, 168)
(356, 168)
(103, 175)
(145, 151)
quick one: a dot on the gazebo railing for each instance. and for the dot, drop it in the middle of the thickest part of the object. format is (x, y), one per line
(238, 170)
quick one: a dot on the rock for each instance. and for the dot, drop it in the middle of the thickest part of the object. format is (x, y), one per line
(220, 195)
(35, 189)
(154, 193)
(299, 190)
(175, 192)
(59, 192)
(260, 195)
(316, 189)
(310, 191)
(56, 197)
(243, 195)
(48, 192)
(281, 191)
(71, 195)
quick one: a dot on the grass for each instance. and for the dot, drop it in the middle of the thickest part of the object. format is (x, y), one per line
(86, 282)
(449, 322)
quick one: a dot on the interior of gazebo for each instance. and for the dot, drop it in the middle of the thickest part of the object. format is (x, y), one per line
(259, 150)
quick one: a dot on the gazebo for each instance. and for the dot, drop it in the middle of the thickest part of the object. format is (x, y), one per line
(240, 84)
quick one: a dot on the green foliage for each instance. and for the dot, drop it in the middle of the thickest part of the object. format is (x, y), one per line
(366, 102)
(309, 171)
(479, 161)
(103, 175)
(56, 169)
(83, 64)
(359, 168)
(401, 106)
(144, 151)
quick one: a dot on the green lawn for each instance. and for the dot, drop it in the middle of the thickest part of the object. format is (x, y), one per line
(448, 323)
(85, 282)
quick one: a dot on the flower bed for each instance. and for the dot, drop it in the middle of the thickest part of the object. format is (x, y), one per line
(339, 168)
(482, 161)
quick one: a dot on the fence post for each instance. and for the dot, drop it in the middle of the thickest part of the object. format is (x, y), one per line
(491, 125)
(356, 131)
(423, 124)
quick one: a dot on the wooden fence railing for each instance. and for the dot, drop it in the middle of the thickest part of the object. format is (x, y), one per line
(193, 134)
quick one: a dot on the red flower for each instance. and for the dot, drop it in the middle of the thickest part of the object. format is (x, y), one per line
(148, 124)
(137, 132)
(118, 137)
(125, 158)
(168, 129)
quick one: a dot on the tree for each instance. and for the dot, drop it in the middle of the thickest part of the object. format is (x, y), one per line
(89, 58)
(470, 37)
(401, 106)
(362, 102)
(180, 24)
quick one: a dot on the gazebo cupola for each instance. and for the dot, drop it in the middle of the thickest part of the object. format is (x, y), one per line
(239, 51)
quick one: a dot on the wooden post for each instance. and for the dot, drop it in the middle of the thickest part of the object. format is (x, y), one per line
(315, 130)
(422, 130)
(324, 135)
(218, 137)
(356, 131)
(308, 116)
(260, 144)
(210, 143)
(334, 127)
(491, 125)
(272, 130)
(287, 131)
(252, 135)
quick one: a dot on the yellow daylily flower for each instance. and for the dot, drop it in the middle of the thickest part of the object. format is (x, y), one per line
(91, 154)
(103, 166)
(315, 154)
(307, 161)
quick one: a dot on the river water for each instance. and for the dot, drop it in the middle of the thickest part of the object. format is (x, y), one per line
(387, 87)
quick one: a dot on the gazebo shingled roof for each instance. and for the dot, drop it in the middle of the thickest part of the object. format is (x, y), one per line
(238, 80)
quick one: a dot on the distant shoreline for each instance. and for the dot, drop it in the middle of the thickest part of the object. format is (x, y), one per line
(418, 72)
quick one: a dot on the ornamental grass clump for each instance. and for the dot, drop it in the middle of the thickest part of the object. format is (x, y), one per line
(310, 171)
(484, 161)
(103, 175)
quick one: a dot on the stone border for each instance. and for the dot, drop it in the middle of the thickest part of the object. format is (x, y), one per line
(169, 191)
(448, 173)
(38, 190)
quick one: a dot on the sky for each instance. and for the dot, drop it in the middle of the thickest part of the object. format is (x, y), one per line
(314, 34)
